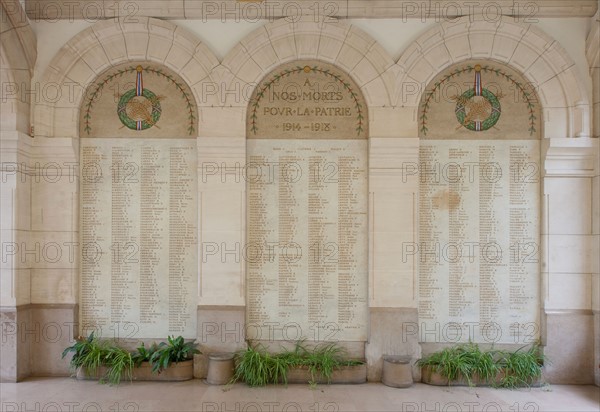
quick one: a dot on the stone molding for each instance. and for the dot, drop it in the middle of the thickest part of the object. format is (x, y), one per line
(107, 44)
(238, 10)
(592, 44)
(19, 43)
(383, 82)
(18, 53)
(526, 48)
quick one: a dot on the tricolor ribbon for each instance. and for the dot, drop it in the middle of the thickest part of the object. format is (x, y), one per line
(139, 90)
(478, 92)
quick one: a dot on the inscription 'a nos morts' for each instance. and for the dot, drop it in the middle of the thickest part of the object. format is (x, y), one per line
(307, 222)
(307, 101)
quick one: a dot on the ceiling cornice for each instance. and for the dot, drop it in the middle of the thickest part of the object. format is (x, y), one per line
(236, 10)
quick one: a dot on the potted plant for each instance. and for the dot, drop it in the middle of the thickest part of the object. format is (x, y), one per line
(326, 363)
(97, 359)
(119, 364)
(257, 367)
(106, 361)
(463, 364)
(522, 368)
(323, 364)
(87, 356)
(467, 364)
(168, 361)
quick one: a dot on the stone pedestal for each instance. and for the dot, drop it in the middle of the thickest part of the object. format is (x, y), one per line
(397, 371)
(220, 368)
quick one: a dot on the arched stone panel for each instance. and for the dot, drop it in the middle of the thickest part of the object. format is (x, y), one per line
(484, 115)
(334, 42)
(139, 100)
(544, 62)
(566, 165)
(308, 116)
(508, 109)
(106, 44)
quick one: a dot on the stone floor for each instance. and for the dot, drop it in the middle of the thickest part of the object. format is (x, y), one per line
(67, 394)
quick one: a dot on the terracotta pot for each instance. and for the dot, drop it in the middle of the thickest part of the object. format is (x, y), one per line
(430, 377)
(181, 371)
(83, 374)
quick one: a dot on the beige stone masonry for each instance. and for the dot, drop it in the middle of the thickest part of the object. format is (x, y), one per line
(593, 57)
(109, 43)
(18, 54)
(231, 9)
(392, 91)
(540, 58)
(48, 212)
(383, 82)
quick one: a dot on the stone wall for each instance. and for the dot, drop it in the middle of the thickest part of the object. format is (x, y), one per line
(45, 211)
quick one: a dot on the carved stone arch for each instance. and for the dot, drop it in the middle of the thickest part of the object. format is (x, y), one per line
(107, 44)
(18, 38)
(331, 41)
(18, 54)
(541, 59)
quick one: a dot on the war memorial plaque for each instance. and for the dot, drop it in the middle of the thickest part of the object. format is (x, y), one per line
(307, 206)
(138, 207)
(479, 240)
(479, 206)
(139, 249)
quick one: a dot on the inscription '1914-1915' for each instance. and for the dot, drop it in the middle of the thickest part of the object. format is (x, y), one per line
(307, 102)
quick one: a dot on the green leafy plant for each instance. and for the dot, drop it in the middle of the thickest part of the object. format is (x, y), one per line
(173, 351)
(320, 361)
(119, 363)
(468, 362)
(91, 353)
(521, 368)
(485, 365)
(257, 367)
(143, 354)
(87, 353)
(452, 363)
(80, 349)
